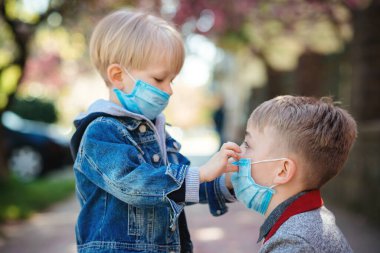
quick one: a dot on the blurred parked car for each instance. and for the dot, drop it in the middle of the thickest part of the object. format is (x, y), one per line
(33, 148)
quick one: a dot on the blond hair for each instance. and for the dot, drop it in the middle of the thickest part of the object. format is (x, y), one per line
(317, 129)
(135, 39)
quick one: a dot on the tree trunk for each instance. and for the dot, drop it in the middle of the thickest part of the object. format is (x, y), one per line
(310, 75)
(321, 75)
(366, 64)
(357, 187)
(277, 82)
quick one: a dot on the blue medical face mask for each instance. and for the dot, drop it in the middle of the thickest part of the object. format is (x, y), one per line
(145, 99)
(254, 196)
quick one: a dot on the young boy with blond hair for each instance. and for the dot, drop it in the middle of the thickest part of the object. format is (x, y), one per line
(293, 146)
(131, 181)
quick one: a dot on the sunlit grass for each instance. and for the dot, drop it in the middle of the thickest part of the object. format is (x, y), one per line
(18, 200)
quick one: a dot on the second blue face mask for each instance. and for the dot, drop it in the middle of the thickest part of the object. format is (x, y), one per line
(145, 99)
(254, 196)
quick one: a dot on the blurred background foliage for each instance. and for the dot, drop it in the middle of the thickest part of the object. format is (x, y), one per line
(34, 109)
(23, 199)
(239, 54)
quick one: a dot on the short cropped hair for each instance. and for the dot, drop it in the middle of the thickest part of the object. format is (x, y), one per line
(135, 39)
(317, 129)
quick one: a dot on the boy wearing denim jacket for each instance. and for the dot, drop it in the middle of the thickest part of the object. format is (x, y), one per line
(292, 147)
(131, 181)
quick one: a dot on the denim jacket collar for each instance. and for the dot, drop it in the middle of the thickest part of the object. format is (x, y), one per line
(131, 120)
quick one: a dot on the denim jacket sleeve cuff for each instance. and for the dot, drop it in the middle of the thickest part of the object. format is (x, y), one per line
(223, 188)
(192, 185)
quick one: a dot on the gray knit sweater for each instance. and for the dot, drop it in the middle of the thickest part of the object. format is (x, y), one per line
(313, 231)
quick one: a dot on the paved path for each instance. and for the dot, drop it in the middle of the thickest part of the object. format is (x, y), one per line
(51, 231)
(236, 232)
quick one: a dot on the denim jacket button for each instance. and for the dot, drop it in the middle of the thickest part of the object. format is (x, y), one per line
(218, 212)
(142, 128)
(174, 228)
(156, 158)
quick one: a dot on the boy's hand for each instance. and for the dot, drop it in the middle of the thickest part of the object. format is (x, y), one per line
(218, 164)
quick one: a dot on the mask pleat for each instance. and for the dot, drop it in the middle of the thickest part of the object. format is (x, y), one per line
(251, 194)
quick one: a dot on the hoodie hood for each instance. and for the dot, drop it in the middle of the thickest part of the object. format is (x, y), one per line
(106, 107)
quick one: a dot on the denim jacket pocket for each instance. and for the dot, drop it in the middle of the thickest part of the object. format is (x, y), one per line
(141, 222)
(135, 220)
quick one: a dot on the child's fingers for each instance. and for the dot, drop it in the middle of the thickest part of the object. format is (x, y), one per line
(231, 145)
(231, 168)
(231, 150)
(230, 153)
(231, 160)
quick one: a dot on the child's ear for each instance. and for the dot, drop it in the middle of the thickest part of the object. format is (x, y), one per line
(286, 172)
(115, 76)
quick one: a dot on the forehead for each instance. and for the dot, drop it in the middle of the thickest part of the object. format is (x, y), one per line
(251, 130)
(160, 62)
(160, 66)
(267, 134)
(251, 133)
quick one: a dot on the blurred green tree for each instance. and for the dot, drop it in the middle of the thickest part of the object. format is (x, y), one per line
(34, 109)
(277, 32)
(21, 20)
(18, 27)
(19, 23)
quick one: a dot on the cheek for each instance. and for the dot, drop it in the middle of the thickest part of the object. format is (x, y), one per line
(262, 175)
(248, 153)
(260, 180)
(129, 86)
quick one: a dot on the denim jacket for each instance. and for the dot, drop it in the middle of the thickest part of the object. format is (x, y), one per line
(133, 184)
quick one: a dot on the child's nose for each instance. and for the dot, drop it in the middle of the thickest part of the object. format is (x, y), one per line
(168, 89)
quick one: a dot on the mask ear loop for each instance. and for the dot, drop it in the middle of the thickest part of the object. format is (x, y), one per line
(270, 160)
(272, 186)
(130, 76)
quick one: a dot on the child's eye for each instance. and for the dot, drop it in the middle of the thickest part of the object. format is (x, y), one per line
(246, 144)
(158, 80)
